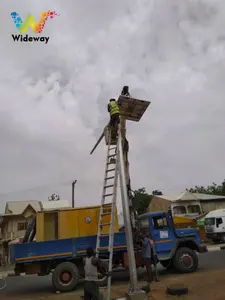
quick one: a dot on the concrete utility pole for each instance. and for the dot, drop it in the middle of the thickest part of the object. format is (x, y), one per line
(73, 186)
(130, 109)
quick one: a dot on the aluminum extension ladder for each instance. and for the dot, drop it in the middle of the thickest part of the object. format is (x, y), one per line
(108, 202)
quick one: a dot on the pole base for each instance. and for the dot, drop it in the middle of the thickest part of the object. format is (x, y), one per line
(138, 295)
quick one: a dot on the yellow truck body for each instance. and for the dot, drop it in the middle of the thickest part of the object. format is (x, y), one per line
(71, 223)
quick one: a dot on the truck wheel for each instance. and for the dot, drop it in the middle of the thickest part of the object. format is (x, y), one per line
(185, 260)
(177, 289)
(65, 277)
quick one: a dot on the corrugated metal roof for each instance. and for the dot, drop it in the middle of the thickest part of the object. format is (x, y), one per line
(187, 196)
(208, 197)
(18, 207)
(52, 205)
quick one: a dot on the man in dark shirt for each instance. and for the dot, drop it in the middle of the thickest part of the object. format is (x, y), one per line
(147, 244)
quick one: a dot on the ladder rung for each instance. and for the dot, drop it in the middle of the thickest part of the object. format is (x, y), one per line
(106, 214)
(103, 248)
(107, 195)
(110, 170)
(107, 204)
(110, 163)
(106, 224)
(114, 148)
(108, 186)
(108, 178)
(111, 155)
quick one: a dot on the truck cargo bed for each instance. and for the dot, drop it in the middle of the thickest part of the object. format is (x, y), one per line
(63, 248)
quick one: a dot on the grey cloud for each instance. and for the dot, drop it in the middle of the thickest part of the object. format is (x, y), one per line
(54, 96)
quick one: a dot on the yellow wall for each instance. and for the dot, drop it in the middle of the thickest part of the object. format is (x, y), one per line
(68, 224)
(77, 222)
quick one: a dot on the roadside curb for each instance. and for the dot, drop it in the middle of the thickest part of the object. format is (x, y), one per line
(215, 248)
(10, 274)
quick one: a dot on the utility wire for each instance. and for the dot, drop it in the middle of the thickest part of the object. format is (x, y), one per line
(37, 187)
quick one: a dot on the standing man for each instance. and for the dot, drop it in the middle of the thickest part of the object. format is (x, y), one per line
(125, 91)
(114, 111)
(91, 267)
(147, 243)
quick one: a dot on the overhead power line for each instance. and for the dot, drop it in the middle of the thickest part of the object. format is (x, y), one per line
(37, 187)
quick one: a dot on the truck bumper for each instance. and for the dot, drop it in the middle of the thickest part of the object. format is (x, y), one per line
(202, 248)
(214, 235)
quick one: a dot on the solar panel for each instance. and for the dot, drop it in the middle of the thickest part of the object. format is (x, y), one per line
(131, 108)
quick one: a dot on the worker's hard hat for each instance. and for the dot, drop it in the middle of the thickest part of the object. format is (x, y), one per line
(112, 99)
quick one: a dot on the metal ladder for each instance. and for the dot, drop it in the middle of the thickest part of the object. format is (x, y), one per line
(108, 203)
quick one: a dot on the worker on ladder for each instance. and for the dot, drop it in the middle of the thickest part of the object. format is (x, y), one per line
(114, 111)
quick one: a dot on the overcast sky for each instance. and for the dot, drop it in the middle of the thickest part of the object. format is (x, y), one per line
(53, 96)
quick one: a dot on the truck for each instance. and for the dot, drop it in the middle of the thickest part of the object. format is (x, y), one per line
(215, 225)
(63, 257)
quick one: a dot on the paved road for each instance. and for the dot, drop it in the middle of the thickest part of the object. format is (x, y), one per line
(30, 287)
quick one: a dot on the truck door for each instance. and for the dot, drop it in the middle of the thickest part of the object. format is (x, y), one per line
(220, 227)
(162, 235)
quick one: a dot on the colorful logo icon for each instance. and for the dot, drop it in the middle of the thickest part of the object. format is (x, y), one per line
(37, 27)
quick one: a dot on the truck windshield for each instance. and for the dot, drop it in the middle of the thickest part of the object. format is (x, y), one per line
(210, 221)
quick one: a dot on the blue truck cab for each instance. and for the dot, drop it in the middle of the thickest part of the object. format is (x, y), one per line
(174, 248)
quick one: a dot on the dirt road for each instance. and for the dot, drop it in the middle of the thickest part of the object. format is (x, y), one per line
(209, 280)
(204, 284)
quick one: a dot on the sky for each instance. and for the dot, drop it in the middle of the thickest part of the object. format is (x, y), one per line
(54, 96)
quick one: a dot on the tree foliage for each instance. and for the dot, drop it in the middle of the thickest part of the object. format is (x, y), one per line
(213, 189)
(141, 199)
(54, 197)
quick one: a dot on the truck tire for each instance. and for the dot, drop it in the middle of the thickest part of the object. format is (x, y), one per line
(177, 289)
(185, 260)
(65, 277)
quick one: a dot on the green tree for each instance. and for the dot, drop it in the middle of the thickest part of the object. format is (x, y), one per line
(213, 189)
(141, 199)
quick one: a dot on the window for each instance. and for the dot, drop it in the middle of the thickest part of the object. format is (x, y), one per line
(219, 221)
(194, 209)
(179, 210)
(209, 221)
(160, 222)
(21, 226)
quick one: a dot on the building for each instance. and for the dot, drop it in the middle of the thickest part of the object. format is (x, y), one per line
(14, 222)
(187, 204)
